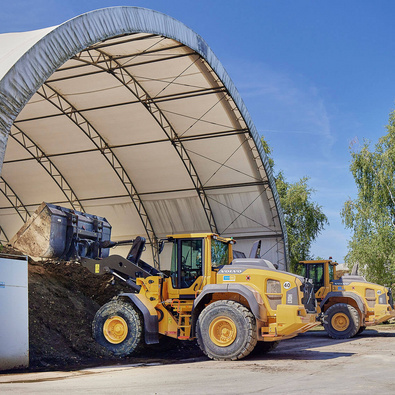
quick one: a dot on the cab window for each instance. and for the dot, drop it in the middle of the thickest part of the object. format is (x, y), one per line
(316, 273)
(186, 262)
(219, 253)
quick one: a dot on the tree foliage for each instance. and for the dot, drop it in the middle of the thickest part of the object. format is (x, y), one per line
(371, 215)
(304, 219)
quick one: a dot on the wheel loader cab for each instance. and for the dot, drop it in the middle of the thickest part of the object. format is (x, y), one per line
(195, 260)
(322, 273)
(186, 262)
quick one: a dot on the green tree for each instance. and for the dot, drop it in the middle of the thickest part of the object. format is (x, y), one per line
(304, 219)
(371, 215)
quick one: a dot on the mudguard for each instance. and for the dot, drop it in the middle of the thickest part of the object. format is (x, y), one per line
(151, 326)
(240, 289)
(350, 295)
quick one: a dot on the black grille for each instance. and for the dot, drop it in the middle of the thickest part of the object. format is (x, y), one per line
(390, 298)
(308, 299)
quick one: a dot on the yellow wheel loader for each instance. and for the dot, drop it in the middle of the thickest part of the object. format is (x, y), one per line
(229, 305)
(347, 305)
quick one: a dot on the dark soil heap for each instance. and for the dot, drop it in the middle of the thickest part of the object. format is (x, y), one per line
(63, 299)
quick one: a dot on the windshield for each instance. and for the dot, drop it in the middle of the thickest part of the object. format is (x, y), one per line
(219, 253)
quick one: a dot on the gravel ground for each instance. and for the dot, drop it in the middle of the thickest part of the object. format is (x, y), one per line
(309, 363)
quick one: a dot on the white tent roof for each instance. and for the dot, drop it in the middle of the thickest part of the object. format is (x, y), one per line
(126, 113)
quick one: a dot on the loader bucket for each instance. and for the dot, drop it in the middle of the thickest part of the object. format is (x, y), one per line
(57, 232)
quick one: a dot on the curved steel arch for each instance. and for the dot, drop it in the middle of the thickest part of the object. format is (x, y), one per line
(65, 107)
(14, 200)
(149, 103)
(53, 46)
(40, 156)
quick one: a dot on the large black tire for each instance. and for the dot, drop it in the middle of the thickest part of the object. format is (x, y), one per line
(342, 321)
(361, 329)
(264, 347)
(226, 330)
(118, 327)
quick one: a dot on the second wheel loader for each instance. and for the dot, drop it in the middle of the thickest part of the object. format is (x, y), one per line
(347, 305)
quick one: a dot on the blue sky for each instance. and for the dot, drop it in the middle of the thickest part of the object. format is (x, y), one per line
(315, 75)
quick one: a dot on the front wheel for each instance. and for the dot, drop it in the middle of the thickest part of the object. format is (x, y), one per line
(265, 347)
(118, 327)
(226, 330)
(361, 329)
(342, 321)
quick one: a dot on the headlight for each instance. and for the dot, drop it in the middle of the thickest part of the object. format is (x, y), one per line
(273, 293)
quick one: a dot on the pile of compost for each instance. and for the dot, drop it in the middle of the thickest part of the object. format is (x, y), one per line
(63, 300)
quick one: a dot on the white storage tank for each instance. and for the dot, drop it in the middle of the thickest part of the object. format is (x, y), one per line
(14, 312)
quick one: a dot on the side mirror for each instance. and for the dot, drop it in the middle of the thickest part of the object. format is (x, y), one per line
(161, 246)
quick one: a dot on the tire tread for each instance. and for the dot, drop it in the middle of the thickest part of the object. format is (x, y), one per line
(353, 316)
(251, 327)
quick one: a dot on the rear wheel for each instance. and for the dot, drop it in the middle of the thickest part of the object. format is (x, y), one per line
(118, 327)
(226, 330)
(342, 321)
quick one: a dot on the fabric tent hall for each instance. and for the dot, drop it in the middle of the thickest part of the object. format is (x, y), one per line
(126, 113)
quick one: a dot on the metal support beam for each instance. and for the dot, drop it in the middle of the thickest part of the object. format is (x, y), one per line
(129, 37)
(2, 236)
(123, 75)
(14, 200)
(145, 62)
(238, 122)
(67, 109)
(158, 99)
(210, 188)
(116, 146)
(119, 57)
(39, 155)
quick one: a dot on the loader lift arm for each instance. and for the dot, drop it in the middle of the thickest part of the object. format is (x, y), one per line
(127, 270)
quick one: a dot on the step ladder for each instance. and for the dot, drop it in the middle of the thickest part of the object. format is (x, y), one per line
(184, 320)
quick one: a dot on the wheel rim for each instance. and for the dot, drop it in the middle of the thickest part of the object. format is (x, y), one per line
(340, 322)
(115, 329)
(222, 331)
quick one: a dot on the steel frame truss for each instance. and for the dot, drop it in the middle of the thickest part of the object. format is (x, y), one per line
(63, 105)
(2, 233)
(238, 122)
(103, 70)
(158, 99)
(186, 138)
(120, 57)
(113, 67)
(39, 155)
(261, 169)
(14, 200)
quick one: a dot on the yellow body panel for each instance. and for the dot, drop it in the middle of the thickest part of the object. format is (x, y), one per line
(283, 320)
(292, 320)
